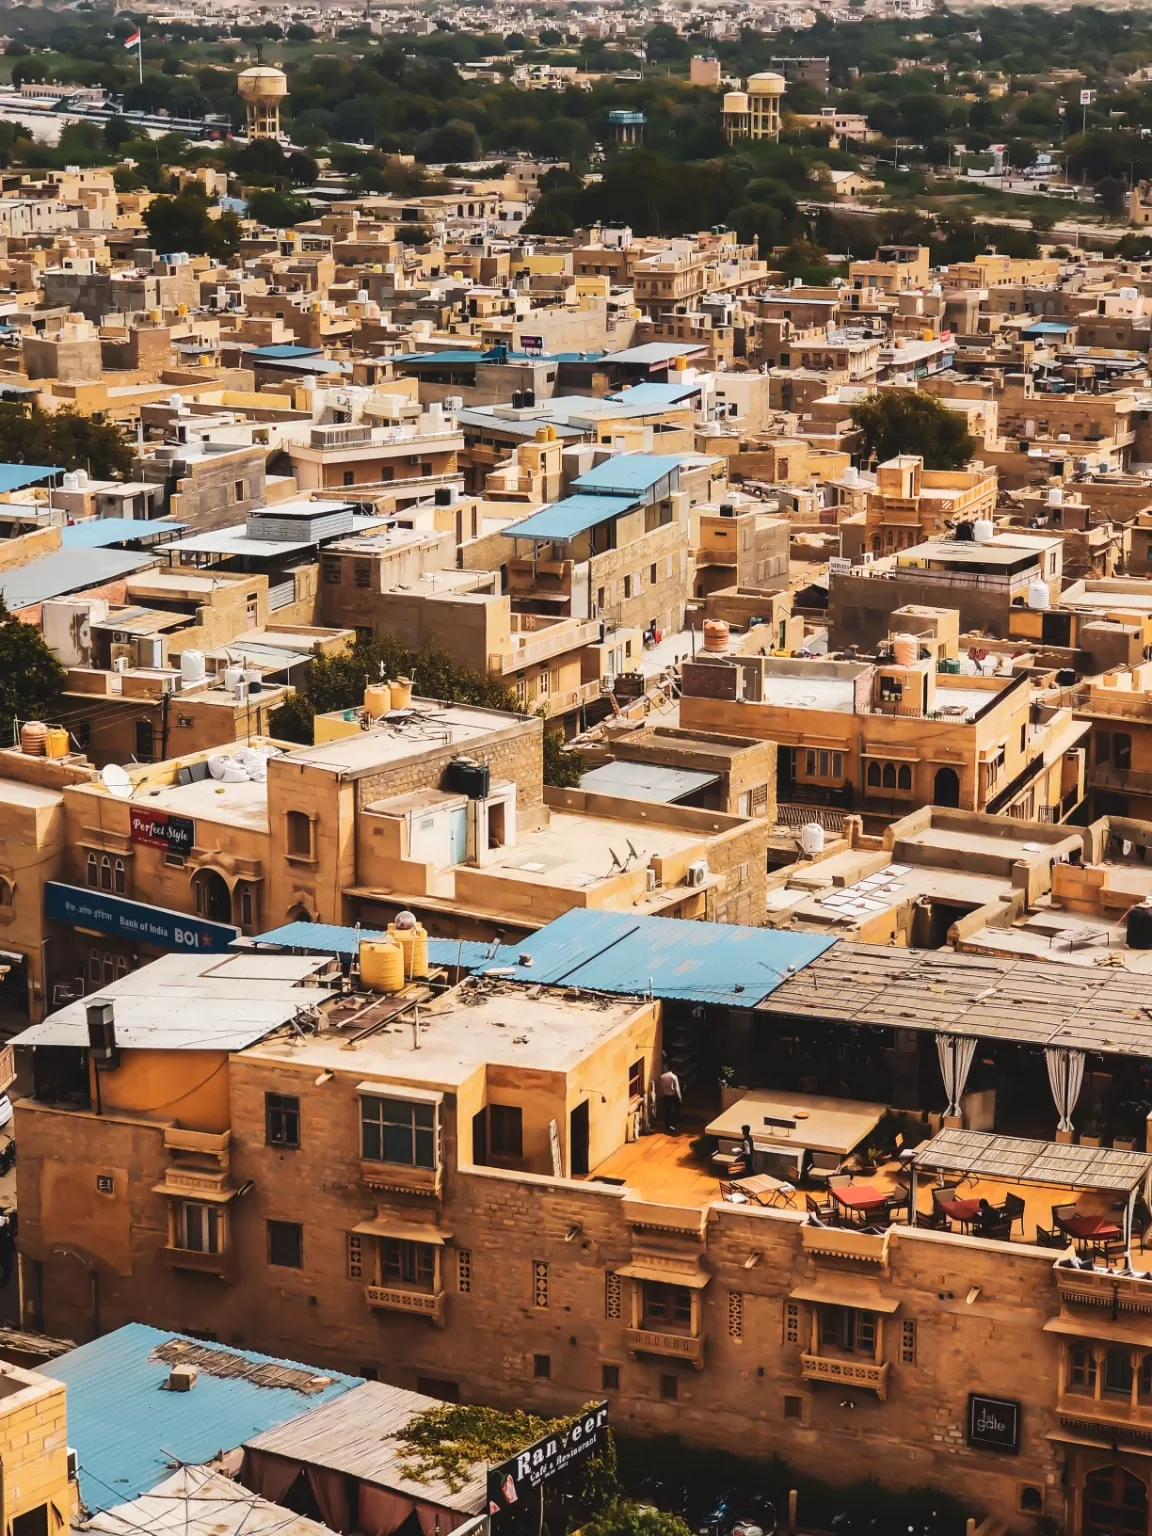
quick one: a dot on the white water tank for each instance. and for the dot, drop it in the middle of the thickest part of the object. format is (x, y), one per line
(191, 668)
(232, 676)
(851, 476)
(70, 482)
(983, 529)
(176, 403)
(1055, 496)
(812, 838)
(1039, 595)
(904, 650)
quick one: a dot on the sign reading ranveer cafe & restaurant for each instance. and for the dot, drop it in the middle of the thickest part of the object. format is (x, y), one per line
(513, 1480)
(993, 1423)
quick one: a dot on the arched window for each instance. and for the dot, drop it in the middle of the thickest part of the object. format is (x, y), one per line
(93, 876)
(5, 894)
(105, 873)
(94, 968)
(118, 877)
(121, 966)
(904, 777)
(873, 775)
(109, 969)
(889, 776)
(245, 904)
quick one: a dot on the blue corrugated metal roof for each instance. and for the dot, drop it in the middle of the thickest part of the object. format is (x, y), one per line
(575, 514)
(284, 349)
(656, 394)
(617, 952)
(100, 532)
(623, 953)
(14, 477)
(331, 939)
(67, 570)
(127, 1429)
(629, 474)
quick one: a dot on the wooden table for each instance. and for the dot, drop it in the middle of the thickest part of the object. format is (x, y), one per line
(764, 1189)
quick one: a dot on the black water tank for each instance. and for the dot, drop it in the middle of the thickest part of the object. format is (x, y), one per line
(464, 777)
(1066, 677)
(1139, 928)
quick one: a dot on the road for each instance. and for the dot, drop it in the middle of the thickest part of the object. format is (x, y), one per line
(1064, 230)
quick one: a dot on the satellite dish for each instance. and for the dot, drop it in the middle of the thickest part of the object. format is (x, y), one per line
(116, 781)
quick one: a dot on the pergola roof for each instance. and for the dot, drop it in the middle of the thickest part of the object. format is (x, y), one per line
(987, 997)
(1015, 1159)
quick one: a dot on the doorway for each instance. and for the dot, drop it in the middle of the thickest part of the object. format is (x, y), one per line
(1115, 1504)
(946, 788)
(578, 1140)
(213, 898)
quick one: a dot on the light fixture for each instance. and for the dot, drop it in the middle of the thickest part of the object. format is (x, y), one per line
(325, 1077)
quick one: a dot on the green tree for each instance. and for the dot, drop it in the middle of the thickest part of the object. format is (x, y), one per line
(118, 131)
(278, 210)
(1111, 192)
(65, 439)
(562, 769)
(182, 223)
(338, 682)
(31, 679)
(623, 1518)
(908, 421)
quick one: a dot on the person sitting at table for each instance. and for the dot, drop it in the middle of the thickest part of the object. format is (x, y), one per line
(746, 1152)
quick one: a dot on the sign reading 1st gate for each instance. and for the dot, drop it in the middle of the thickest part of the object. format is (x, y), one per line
(994, 1423)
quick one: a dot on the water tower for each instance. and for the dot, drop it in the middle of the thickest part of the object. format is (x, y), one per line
(262, 89)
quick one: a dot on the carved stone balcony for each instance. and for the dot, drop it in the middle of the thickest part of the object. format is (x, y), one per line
(677, 1346)
(843, 1372)
(429, 1304)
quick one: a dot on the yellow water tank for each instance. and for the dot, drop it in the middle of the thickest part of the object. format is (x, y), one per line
(381, 965)
(377, 700)
(402, 693)
(405, 940)
(56, 742)
(419, 950)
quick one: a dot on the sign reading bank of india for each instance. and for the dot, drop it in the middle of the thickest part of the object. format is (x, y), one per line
(134, 920)
(552, 1453)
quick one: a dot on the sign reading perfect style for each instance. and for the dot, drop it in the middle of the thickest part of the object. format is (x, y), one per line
(515, 1479)
(134, 920)
(994, 1423)
(156, 829)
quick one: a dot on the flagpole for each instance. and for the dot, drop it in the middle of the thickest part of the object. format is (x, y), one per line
(140, 55)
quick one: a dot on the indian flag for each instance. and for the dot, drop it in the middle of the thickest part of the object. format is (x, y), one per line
(134, 40)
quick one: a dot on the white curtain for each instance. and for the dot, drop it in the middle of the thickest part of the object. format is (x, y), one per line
(1065, 1074)
(955, 1053)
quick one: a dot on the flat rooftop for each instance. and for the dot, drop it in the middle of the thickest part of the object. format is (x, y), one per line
(834, 693)
(576, 849)
(429, 726)
(497, 1024)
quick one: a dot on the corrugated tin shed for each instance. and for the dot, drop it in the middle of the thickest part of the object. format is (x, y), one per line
(356, 1435)
(14, 477)
(187, 1002)
(574, 515)
(100, 532)
(631, 474)
(127, 1428)
(67, 570)
(198, 1502)
(654, 782)
(330, 939)
(625, 954)
(1033, 1002)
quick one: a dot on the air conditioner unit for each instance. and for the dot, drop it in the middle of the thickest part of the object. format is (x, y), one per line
(698, 872)
(652, 881)
(122, 658)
